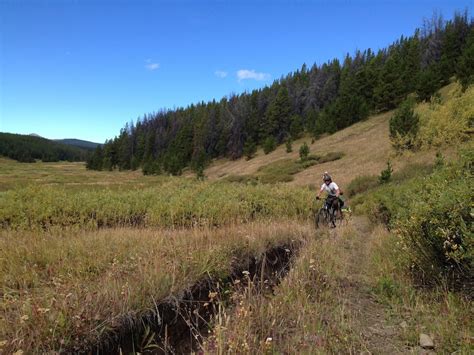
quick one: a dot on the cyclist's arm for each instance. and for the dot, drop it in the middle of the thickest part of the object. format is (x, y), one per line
(320, 192)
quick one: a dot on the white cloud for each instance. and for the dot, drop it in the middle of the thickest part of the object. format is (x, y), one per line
(244, 74)
(220, 73)
(150, 65)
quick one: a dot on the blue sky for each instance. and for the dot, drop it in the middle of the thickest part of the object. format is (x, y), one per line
(81, 69)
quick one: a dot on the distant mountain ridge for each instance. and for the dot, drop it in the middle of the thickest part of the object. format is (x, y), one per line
(78, 143)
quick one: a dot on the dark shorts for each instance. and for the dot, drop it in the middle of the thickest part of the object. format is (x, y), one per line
(330, 201)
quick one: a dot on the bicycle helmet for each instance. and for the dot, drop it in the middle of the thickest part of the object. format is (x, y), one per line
(327, 177)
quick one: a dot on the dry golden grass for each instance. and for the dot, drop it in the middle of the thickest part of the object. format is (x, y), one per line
(345, 294)
(311, 310)
(66, 289)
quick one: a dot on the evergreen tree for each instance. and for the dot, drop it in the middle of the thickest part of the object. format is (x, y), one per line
(296, 126)
(277, 117)
(95, 160)
(304, 151)
(465, 66)
(404, 124)
(390, 89)
(429, 81)
(199, 163)
(269, 145)
(386, 174)
(250, 148)
(151, 167)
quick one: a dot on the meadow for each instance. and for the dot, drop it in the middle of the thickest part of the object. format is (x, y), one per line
(86, 253)
(89, 259)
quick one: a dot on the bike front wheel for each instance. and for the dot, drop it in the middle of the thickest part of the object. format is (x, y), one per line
(321, 219)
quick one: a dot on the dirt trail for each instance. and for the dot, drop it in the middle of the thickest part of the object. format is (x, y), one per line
(369, 319)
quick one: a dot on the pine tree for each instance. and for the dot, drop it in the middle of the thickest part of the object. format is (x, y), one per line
(277, 117)
(465, 66)
(199, 163)
(95, 160)
(250, 148)
(429, 81)
(304, 151)
(269, 145)
(404, 125)
(390, 89)
(386, 174)
(296, 126)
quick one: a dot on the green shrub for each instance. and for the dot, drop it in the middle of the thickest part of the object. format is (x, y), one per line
(439, 161)
(269, 145)
(331, 156)
(313, 157)
(410, 171)
(362, 184)
(308, 163)
(282, 170)
(289, 147)
(304, 151)
(388, 288)
(278, 171)
(242, 179)
(386, 174)
(436, 228)
(151, 167)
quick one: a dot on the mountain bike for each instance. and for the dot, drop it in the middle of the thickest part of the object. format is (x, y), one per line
(326, 216)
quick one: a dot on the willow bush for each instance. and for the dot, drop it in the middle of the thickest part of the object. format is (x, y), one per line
(433, 218)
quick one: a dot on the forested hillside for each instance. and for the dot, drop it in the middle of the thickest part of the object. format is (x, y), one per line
(318, 99)
(27, 149)
(78, 143)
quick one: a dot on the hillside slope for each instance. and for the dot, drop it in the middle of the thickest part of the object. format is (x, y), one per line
(366, 147)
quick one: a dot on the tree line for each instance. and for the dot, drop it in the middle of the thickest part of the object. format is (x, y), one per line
(318, 99)
(28, 149)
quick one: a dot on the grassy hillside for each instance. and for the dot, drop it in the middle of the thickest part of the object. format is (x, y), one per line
(366, 148)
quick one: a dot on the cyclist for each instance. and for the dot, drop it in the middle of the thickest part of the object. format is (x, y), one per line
(332, 190)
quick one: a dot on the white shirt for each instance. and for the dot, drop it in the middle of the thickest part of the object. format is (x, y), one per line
(330, 189)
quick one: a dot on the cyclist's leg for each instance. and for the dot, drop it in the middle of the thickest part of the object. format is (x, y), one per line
(332, 210)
